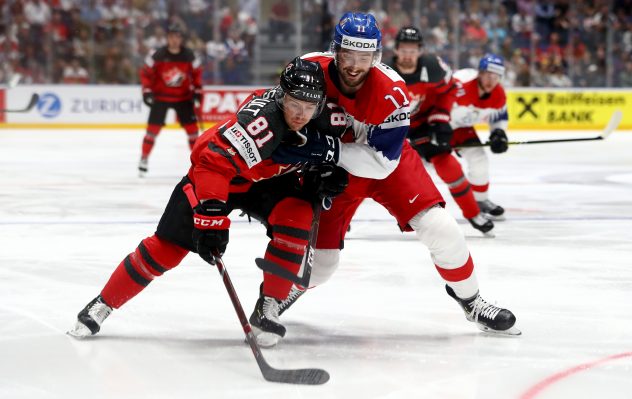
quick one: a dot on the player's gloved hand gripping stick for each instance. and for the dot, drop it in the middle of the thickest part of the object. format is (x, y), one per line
(311, 376)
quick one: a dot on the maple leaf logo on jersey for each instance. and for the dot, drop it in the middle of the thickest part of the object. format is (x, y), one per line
(173, 77)
(415, 102)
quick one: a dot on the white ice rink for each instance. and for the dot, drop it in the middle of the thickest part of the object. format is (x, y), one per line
(71, 207)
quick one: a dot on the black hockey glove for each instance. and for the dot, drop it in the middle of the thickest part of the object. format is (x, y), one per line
(498, 141)
(197, 97)
(210, 229)
(148, 98)
(322, 181)
(440, 136)
(311, 147)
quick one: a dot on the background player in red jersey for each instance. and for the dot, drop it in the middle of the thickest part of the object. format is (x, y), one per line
(384, 167)
(171, 78)
(233, 167)
(481, 98)
(433, 92)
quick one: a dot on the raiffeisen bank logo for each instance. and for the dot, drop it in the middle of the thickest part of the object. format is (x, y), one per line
(49, 105)
(358, 43)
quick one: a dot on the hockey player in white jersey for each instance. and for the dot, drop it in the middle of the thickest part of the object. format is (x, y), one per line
(480, 99)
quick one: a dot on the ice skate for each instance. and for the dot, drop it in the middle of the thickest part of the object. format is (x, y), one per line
(488, 317)
(265, 322)
(292, 297)
(142, 167)
(483, 225)
(490, 210)
(89, 320)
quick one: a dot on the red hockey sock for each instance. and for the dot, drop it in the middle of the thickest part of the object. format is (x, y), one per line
(450, 171)
(192, 133)
(482, 189)
(151, 259)
(290, 221)
(150, 139)
(458, 274)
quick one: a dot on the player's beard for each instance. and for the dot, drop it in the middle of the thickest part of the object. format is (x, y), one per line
(353, 81)
(406, 65)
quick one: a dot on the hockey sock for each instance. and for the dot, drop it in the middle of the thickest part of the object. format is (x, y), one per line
(151, 259)
(192, 133)
(290, 221)
(150, 139)
(443, 237)
(450, 171)
(480, 192)
(461, 279)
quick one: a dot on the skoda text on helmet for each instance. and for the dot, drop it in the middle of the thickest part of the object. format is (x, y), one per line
(492, 63)
(303, 80)
(409, 34)
(359, 32)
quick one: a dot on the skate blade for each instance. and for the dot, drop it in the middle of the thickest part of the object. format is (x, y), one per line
(265, 339)
(489, 234)
(79, 331)
(512, 331)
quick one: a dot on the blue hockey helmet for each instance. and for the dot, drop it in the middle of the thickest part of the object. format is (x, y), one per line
(360, 32)
(492, 63)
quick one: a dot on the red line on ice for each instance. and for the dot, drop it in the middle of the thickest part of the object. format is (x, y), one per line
(547, 382)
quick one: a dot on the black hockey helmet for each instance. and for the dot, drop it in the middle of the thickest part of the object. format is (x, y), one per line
(305, 81)
(409, 34)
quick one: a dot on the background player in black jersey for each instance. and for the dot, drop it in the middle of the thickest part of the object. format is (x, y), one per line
(432, 92)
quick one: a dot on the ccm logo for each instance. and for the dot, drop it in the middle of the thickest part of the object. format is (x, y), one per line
(208, 222)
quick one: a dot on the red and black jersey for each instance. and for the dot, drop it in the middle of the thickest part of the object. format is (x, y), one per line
(432, 90)
(171, 77)
(232, 155)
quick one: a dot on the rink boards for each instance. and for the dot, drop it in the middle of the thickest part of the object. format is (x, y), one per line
(121, 106)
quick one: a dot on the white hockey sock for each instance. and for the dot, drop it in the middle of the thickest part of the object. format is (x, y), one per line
(438, 230)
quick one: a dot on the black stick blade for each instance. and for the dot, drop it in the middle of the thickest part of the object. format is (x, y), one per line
(29, 106)
(298, 376)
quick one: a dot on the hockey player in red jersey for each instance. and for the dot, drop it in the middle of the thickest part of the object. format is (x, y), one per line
(481, 98)
(235, 165)
(433, 92)
(171, 78)
(384, 167)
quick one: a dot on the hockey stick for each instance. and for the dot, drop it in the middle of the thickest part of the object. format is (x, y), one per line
(607, 131)
(196, 111)
(295, 376)
(31, 104)
(271, 267)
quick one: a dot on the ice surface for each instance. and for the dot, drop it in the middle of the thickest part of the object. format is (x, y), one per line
(72, 206)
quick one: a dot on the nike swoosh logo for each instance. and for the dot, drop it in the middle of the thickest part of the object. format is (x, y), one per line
(410, 201)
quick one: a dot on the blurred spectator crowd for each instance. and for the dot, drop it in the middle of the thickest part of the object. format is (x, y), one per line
(557, 43)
